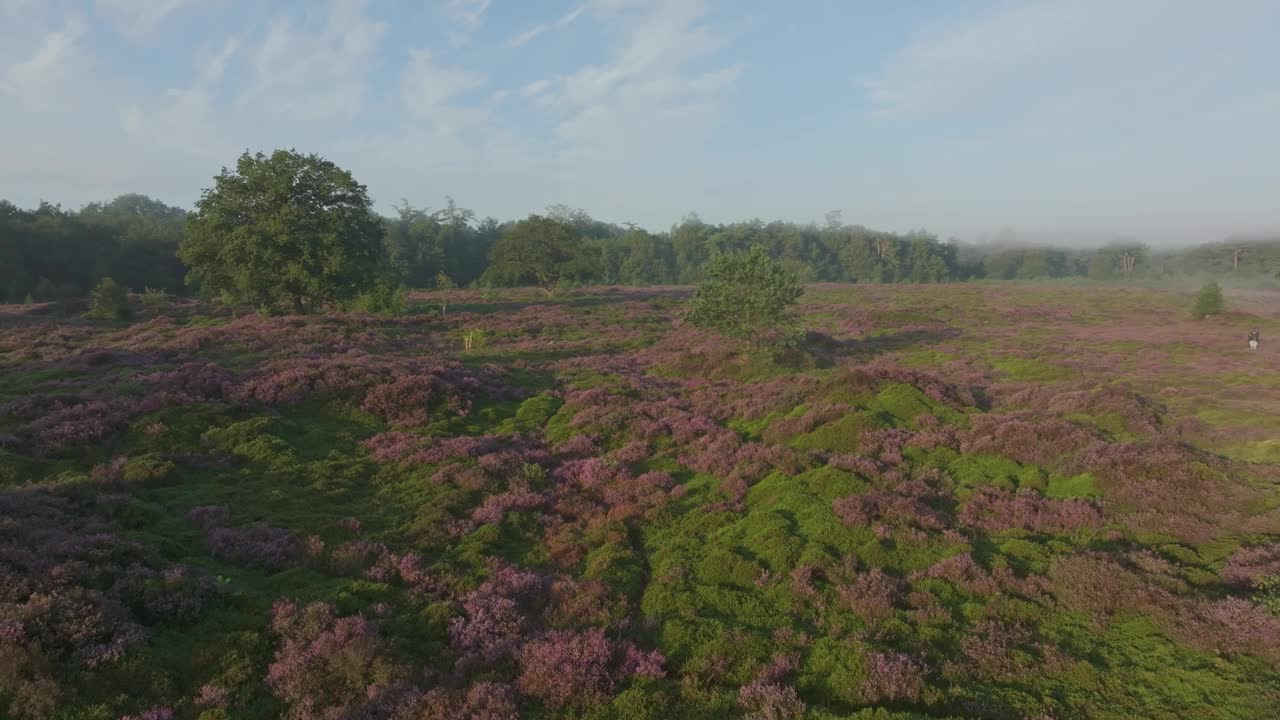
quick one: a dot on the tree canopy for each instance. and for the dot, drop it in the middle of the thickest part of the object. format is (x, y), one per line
(745, 295)
(544, 251)
(285, 231)
(49, 253)
(1209, 301)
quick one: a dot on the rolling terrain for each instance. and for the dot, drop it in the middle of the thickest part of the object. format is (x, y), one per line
(966, 500)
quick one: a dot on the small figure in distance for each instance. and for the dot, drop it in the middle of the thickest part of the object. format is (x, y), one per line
(1253, 339)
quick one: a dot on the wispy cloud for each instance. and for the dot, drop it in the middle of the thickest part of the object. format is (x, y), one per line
(36, 78)
(316, 76)
(136, 18)
(535, 88)
(430, 89)
(1028, 51)
(655, 91)
(524, 38)
(469, 15)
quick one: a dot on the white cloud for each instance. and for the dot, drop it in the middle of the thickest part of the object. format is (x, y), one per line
(1031, 50)
(315, 76)
(210, 66)
(36, 79)
(136, 18)
(654, 93)
(428, 90)
(537, 87)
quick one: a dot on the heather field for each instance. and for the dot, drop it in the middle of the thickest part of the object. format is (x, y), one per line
(952, 501)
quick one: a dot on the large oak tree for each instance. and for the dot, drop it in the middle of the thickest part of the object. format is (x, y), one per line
(285, 231)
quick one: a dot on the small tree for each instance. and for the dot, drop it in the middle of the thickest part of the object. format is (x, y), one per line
(155, 300)
(444, 282)
(745, 296)
(109, 301)
(544, 251)
(384, 298)
(1209, 301)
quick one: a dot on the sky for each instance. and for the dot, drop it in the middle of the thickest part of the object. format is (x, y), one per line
(1067, 120)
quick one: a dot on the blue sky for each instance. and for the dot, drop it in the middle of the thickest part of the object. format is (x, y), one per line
(1059, 119)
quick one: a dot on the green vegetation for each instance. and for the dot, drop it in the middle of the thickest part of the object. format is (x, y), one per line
(1209, 301)
(285, 231)
(597, 512)
(109, 301)
(745, 296)
(49, 254)
(542, 250)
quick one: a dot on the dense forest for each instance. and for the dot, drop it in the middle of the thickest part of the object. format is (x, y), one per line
(50, 253)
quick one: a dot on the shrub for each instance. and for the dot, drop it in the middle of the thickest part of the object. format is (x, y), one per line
(1268, 592)
(871, 595)
(146, 469)
(992, 509)
(770, 701)
(491, 629)
(892, 676)
(745, 296)
(1248, 564)
(567, 668)
(1209, 301)
(155, 300)
(109, 301)
(325, 664)
(384, 298)
(265, 547)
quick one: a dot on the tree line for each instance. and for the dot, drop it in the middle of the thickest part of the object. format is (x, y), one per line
(226, 246)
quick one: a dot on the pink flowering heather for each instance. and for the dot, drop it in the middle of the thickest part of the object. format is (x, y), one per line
(1248, 564)
(892, 677)
(325, 664)
(989, 651)
(213, 696)
(964, 572)
(491, 701)
(993, 509)
(564, 668)
(780, 667)
(763, 701)
(1049, 442)
(580, 446)
(404, 401)
(395, 446)
(66, 426)
(871, 595)
(265, 547)
(641, 663)
(495, 507)
(491, 629)
(908, 504)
